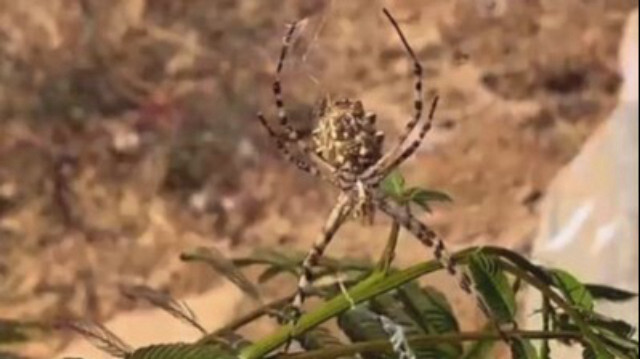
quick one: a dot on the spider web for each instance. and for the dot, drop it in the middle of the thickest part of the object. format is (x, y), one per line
(325, 47)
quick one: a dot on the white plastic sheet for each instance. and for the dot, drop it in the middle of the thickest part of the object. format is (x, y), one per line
(589, 223)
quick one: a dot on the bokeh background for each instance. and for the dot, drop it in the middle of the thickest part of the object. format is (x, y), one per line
(128, 133)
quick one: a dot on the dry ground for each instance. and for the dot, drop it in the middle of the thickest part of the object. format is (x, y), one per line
(128, 132)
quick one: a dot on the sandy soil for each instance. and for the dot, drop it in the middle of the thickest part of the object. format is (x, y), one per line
(128, 133)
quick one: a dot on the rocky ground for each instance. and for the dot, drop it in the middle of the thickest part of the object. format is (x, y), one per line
(128, 132)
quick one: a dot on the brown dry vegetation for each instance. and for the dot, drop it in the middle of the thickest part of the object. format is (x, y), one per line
(128, 132)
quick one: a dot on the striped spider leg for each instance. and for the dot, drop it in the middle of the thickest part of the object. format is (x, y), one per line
(381, 167)
(345, 148)
(338, 215)
(291, 135)
(375, 174)
(311, 164)
(430, 238)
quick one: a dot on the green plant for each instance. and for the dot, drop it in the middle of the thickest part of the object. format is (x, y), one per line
(386, 313)
(14, 332)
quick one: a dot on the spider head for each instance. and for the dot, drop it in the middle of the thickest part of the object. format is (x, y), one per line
(346, 135)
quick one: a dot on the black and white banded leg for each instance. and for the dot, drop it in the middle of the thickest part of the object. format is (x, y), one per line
(291, 133)
(281, 145)
(417, 102)
(383, 172)
(431, 240)
(340, 212)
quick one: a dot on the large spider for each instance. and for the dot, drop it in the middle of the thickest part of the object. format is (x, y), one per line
(345, 148)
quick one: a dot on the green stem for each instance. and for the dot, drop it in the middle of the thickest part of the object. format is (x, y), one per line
(376, 284)
(390, 249)
(383, 345)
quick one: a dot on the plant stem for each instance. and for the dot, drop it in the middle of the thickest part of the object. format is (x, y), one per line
(390, 249)
(376, 284)
(383, 345)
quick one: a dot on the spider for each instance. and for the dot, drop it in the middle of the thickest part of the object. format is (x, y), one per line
(345, 149)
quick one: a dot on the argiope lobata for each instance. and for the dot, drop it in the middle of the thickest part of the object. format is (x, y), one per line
(345, 148)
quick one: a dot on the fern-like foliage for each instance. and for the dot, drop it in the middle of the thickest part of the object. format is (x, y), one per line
(381, 312)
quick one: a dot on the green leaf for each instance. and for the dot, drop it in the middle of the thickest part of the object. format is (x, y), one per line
(12, 331)
(432, 312)
(618, 344)
(594, 352)
(523, 263)
(98, 335)
(227, 340)
(492, 283)
(361, 324)
(270, 257)
(603, 292)
(606, 343)
(388, 306)
(423, 197)
(320, 338)
(395, 310)
(522, 349)
(218, 262)
(430, 308)
(480, 349)
(393, 185)
(268, 274)
(574, 291)
(391, 308)
(181, 351)
(289, 261)
(164, 301)
(588, 353)
(617, 326)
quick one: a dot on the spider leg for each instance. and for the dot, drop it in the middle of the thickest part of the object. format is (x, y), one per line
(328, 173)
(430, 239)
(417, 103)
(286, 153)
(338, 215)
(384, 171)
(291, 133)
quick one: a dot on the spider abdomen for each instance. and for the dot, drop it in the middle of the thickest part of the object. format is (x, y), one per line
(346, 137)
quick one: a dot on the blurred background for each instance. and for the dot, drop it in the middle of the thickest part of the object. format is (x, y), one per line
(128, 134)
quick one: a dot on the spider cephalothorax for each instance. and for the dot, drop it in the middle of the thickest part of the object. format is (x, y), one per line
(346, 137)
